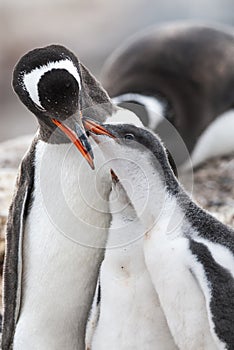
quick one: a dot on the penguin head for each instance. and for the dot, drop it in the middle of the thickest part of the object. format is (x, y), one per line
(48, 81)
(140, 161)
(56, 87)
(134, 153)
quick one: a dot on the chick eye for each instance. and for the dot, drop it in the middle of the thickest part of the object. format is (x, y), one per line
(129, 137)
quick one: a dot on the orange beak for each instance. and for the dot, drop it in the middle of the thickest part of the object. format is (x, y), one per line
(96, 128)
(76, 141)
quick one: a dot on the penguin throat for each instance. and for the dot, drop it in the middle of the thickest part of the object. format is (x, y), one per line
(147, 194)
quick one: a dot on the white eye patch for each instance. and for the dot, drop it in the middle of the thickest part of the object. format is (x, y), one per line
(32, 79)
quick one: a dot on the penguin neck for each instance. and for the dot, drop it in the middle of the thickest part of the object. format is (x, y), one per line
(51, 135)
(154, 197)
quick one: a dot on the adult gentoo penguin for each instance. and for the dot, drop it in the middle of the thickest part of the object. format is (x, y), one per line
(188, 253)
(181, 73)
(57, 220)
(126, 312)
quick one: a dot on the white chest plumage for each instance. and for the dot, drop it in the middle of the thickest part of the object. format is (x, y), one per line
(61, 250)
(130, 315)
(169, 263)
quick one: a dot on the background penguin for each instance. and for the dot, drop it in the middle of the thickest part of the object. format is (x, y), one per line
(183, 72)
(126, 312)
(56, 215)
(188, 253)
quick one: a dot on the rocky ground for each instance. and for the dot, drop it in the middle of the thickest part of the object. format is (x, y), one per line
(214, 188)
(213, 185)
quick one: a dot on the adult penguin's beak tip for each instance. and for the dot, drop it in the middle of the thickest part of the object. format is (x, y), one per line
(95, 128)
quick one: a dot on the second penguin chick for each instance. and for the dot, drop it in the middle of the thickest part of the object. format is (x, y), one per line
(126, 313)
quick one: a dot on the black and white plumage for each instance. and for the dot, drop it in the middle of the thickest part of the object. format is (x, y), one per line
(57, 224)
(189, 254)
(126, 312)
(178, 75)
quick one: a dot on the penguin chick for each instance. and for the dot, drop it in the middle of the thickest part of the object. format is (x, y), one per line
(188, 253)
(126, 313)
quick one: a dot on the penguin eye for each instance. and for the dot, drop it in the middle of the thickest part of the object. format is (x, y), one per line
(129, 137)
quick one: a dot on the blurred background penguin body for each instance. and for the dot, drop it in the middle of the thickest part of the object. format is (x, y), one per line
(179, 74)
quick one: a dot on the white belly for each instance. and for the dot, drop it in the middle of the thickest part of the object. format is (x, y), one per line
(182, 301)
(60, 251)
(130, 314)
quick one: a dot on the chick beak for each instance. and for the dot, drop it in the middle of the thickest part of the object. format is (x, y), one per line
(79, 139)
(114, 177)
(95, 128)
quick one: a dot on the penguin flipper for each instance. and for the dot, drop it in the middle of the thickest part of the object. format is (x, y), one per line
(217, 284)
(13, 256)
